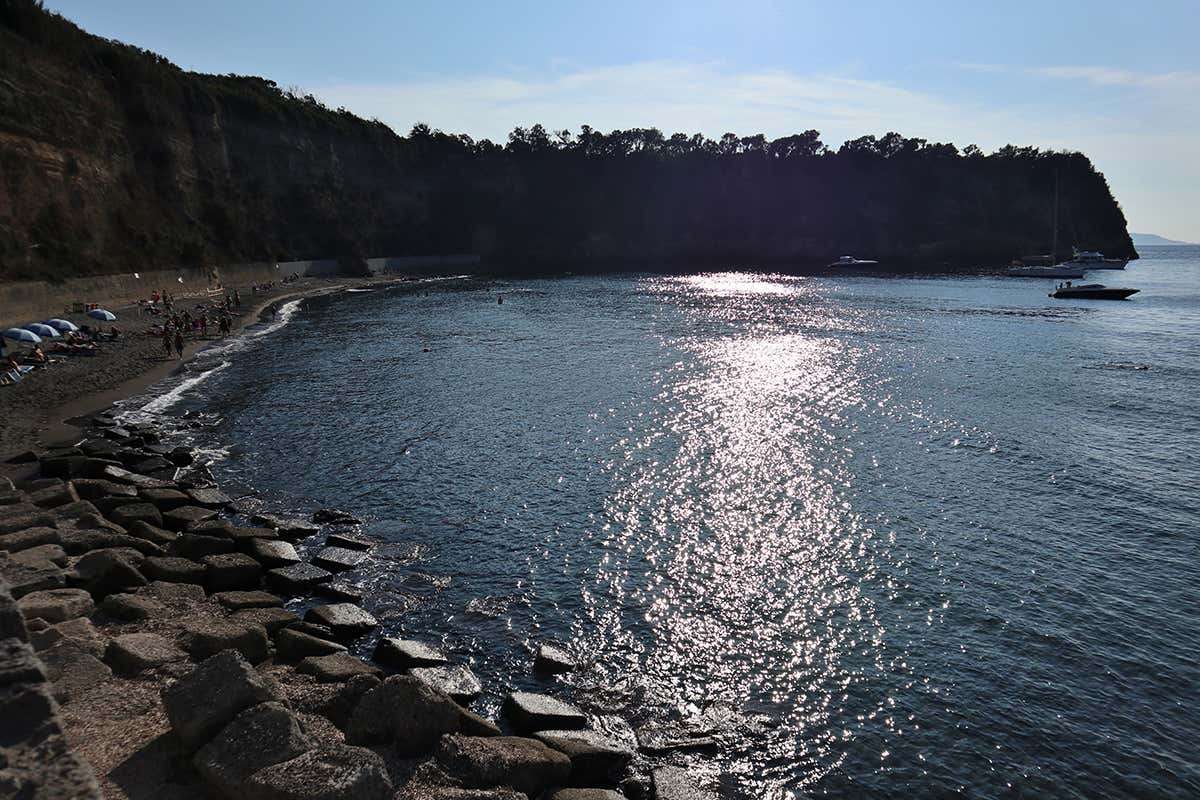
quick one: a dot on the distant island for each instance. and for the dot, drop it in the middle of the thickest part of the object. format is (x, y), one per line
(117, 160)
(1140, 239)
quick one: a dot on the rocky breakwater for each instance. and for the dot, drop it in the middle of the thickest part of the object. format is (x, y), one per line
(147, 635)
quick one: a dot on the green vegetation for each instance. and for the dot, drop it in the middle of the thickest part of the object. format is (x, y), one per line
(112, 158)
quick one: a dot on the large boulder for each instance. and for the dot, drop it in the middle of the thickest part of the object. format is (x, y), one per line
(271, 552)
(231, 571)
(172, 569)
(208, 497)
(159, 536)
(259, 737)
(132, 607)
(56, 605)
(335, 668)
(285, 527)
(129, 513)
(551, 660)
(332, 516)
(338, 559)
(203, 637)
(595, 758)
(455, 680)
(94, 488)
(164, 499)
(273, 619)
(77, 542)
(43, 552)
(54, 496)
(526, 765)
(79, 631)
(346, 620)
(110, 571)
(296, 579)
(529, 712)
(29, 537)
(73, 670)
(179, 519)
(196, 546)
(205, 700)
(27, 577)
(350, 541)
(132, 653)
(240, 601)
(294, 645)
(406, 712)
(333, 772)
(407, 653)
(22, 517)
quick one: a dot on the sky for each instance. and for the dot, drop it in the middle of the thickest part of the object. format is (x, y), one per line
(1119, 81)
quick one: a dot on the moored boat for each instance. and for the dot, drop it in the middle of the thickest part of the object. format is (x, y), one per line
(851, 261)
(1091, 291)
(1090, 259)
(1034, 271)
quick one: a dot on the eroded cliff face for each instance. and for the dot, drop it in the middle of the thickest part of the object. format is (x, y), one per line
(113, 160)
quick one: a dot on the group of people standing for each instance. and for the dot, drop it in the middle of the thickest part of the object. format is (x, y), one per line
(177, 326)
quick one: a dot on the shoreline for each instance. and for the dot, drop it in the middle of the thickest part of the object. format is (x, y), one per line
(150, 600)
(32, 426)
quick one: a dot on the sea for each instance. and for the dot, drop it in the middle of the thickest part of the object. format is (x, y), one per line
(847, 536)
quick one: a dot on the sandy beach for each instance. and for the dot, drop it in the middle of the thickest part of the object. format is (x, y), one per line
(36, 412)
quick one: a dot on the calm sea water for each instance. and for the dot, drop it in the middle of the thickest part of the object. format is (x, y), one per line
(887, 537)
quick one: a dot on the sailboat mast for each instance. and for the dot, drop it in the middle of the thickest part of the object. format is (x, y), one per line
(1054, 247)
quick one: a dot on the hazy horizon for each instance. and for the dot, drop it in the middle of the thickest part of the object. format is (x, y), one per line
(1111, 81)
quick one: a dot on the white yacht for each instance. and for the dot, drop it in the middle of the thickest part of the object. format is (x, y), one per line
(1090, 259)
(851, 261)
(1064, 270)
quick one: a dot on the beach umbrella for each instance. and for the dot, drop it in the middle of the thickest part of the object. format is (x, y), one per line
(21, 335)
(62, 325)
(102, 315)
(43, 330)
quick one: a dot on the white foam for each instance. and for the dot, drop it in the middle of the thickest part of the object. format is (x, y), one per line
(222, 350)
(167, 399)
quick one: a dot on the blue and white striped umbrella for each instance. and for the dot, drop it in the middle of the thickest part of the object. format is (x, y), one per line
(62, 325)
(101, 314)
(44, 331)
(21, 335)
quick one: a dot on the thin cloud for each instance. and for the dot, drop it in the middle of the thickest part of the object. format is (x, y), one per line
(1146, 147)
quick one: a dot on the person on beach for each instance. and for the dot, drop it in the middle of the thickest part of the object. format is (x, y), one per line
(224, 326)
(179, 342)
(204, 326)
(166, 340)
(274, 311)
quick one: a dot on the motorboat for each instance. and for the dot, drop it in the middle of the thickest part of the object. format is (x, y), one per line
(1090, 291)
(1035, 271)
(851, 261)
(1090, 259)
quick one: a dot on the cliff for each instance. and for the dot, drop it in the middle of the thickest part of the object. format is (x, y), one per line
(112, 159)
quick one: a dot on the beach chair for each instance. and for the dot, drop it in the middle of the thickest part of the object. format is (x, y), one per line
(13, 376)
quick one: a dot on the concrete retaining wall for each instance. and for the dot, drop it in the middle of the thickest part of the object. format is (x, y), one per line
(22, 302)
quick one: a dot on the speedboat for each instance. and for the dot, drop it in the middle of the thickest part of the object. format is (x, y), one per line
(1056, 271)
(851, 261)
(1090, 291)
(1090, 259)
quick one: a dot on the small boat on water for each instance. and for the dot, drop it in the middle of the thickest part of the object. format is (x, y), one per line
(1056, 271)
(1090, 259)
(1090, 291)
(851, 261)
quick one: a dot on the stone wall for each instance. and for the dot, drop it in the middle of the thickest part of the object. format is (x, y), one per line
(35, 760)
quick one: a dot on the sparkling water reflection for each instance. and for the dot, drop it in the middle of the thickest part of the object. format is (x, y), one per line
(883, 537)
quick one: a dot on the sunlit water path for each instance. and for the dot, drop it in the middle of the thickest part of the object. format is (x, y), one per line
(891, 537)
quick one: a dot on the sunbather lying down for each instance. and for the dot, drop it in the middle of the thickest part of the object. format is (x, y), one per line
(72, 349)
